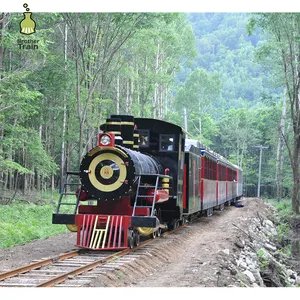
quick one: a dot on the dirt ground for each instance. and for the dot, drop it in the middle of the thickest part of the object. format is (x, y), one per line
(202, 258)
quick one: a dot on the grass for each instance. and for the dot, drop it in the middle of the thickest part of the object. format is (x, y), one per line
(22, 223)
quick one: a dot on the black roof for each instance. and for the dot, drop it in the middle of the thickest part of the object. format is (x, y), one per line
(157, 126)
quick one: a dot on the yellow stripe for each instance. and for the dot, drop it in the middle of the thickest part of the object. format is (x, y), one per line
(113, 123)
(106, 229)
(128, 142)
(96, 238)
(126, 123)
(98, 149)
(100, 238)
(136, 135)
(114, 132)
(93, 234)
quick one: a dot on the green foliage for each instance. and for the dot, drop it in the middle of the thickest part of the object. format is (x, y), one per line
(283, 207)
(124, 62)
(263, 262)
(13, 166)
(198, 94)
(224, 46)
(24, 223)
(284, 211)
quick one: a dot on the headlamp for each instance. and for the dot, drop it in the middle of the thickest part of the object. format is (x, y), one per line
(105, 140)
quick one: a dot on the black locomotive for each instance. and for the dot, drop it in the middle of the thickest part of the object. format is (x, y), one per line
(143, 177)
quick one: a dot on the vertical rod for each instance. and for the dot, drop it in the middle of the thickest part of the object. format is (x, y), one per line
(259, 168)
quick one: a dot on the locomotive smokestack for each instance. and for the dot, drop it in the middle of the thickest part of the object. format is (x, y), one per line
(127, 129)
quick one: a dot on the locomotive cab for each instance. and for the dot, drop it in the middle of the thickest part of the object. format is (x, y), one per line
(165, 142)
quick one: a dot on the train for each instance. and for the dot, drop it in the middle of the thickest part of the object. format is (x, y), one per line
(145, 176)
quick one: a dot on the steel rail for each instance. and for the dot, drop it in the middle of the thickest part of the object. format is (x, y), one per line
(83, 269)
(77, 271)
(90, 266)
(38, 264)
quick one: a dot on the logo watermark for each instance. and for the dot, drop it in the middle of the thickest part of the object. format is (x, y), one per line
(28, 44)
(27, 27)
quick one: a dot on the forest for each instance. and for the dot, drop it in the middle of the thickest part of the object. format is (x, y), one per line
(236, 75)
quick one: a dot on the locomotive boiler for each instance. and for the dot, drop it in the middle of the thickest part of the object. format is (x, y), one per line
(112, 169)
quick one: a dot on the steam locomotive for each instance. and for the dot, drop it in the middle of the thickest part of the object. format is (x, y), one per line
(143, 177)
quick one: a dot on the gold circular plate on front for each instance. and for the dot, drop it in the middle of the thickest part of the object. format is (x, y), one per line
(106, 172)
(107, 187)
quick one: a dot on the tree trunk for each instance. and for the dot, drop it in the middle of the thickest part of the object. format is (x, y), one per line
(144, 89)
(2, 26)
(118, 95)
(279, 154)
(155, 96)
(296, 177)
(131, 96)
(127, 98)
(62, 158)
(80, 118)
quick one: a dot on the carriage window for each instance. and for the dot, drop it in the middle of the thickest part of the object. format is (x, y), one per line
(166, 142)
(143, 138)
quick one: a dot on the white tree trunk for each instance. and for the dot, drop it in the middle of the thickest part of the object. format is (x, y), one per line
(155, 96)
(118, 95)
(279, 154)
(63, 151)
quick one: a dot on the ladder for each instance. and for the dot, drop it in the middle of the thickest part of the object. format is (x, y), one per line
(64, 193)
(140, 197)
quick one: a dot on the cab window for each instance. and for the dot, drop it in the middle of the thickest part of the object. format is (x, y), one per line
(166, 142)
(143, 138)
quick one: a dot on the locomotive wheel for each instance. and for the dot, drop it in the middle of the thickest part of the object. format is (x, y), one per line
(159, 232)
(136, 236)
(222, 206)
(153, 235)
(175, 225)
(130, 239)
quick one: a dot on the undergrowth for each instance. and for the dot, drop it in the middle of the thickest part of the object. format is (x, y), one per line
(284, 212)
(22, 223)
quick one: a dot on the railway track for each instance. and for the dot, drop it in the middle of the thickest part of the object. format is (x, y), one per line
(74, 269)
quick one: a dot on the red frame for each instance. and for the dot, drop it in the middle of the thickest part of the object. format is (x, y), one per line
(117, 238)
(119, 211)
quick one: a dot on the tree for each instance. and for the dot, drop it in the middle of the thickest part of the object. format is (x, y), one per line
(284, 31)
(198, 94)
